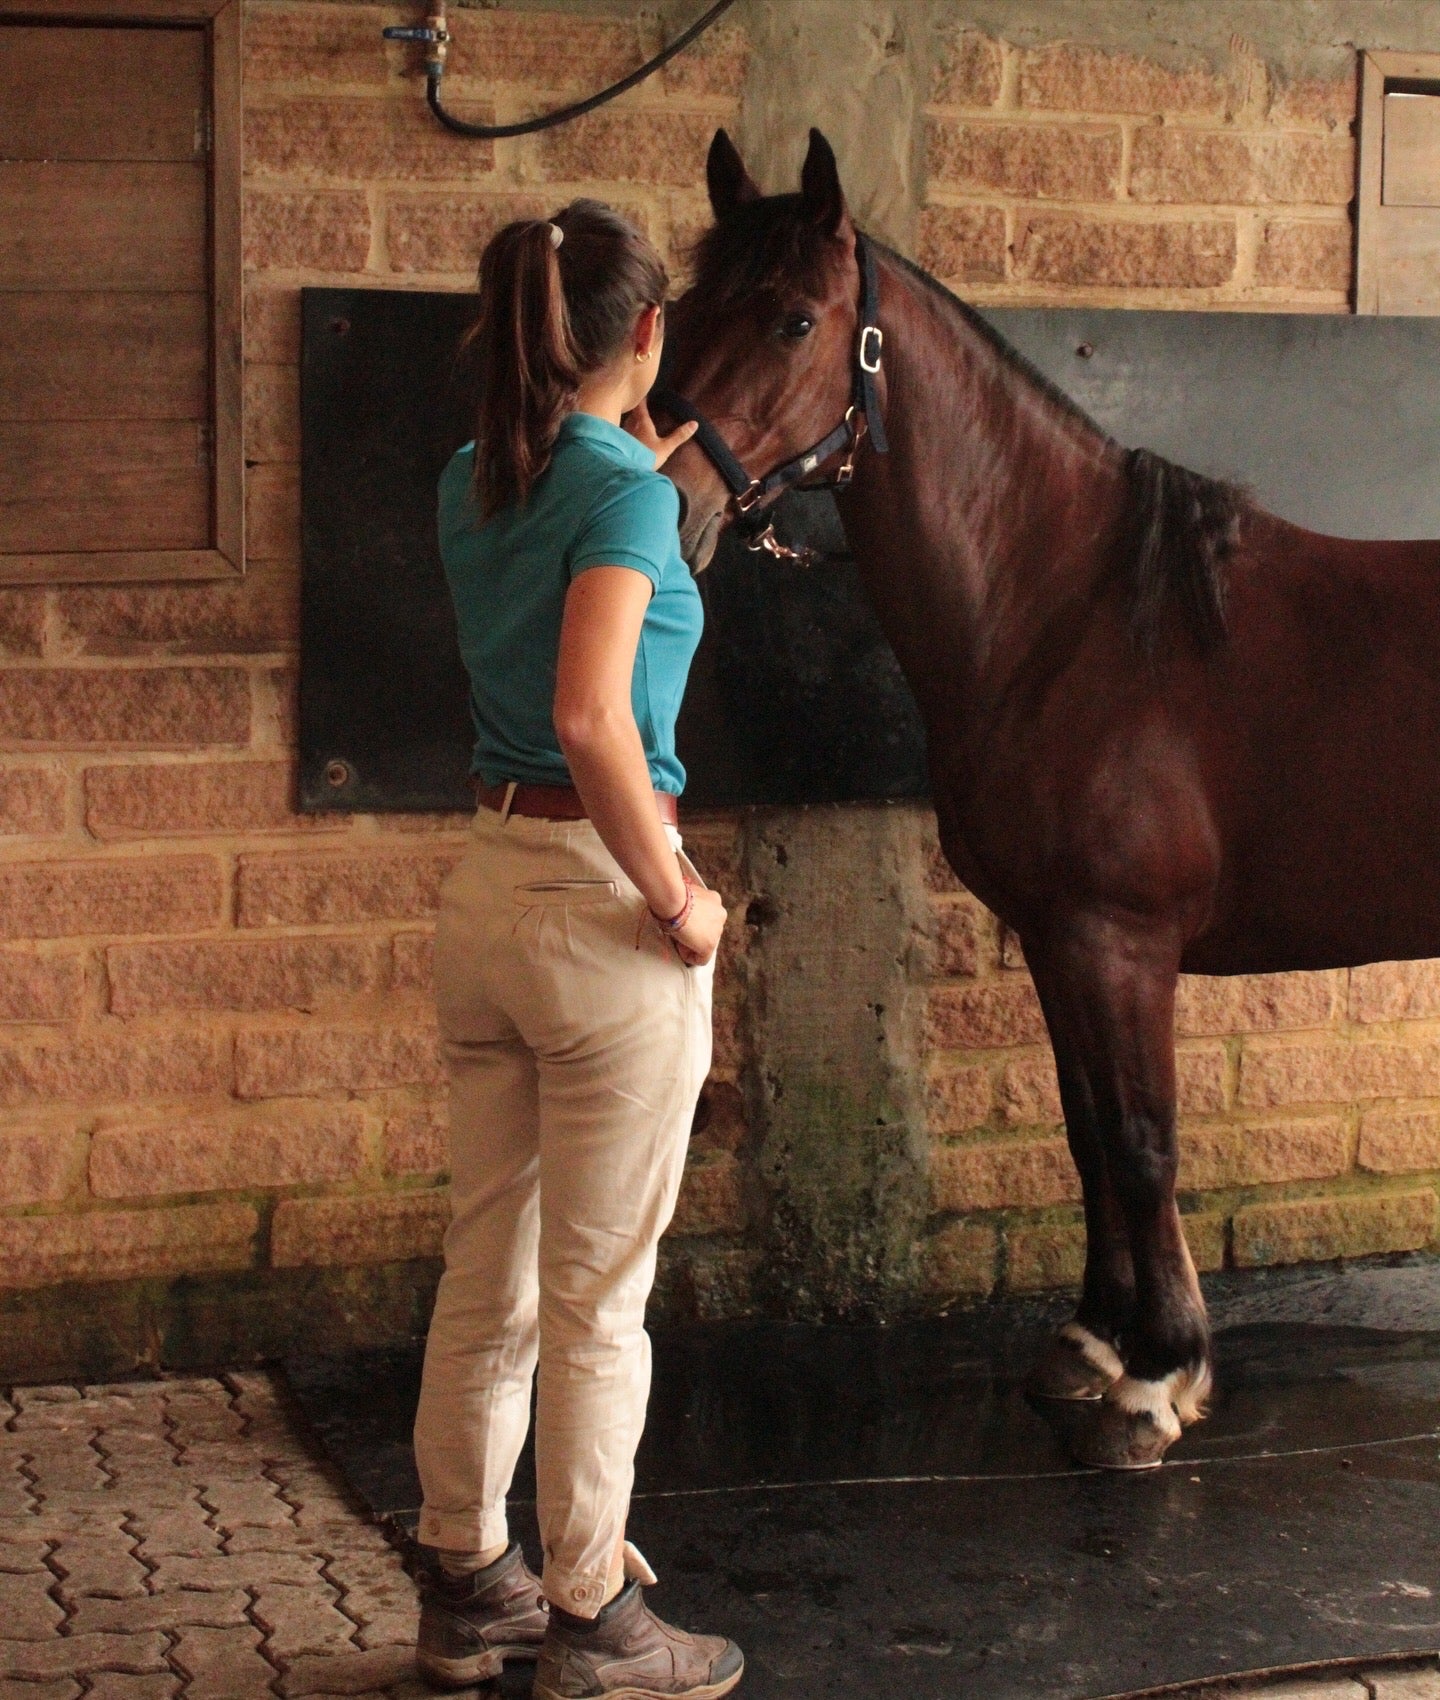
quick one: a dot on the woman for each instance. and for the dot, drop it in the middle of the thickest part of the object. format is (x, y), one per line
(573, 967)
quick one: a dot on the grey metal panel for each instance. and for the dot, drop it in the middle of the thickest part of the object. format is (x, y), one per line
(1332, 420)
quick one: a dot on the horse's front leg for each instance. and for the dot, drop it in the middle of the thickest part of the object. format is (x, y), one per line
(1082, 1360)
(1113, 990)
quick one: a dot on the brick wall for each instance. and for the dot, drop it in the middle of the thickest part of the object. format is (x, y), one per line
(216, 1045)
(217, 1048)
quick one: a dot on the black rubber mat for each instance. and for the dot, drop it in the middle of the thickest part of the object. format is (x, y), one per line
(877, 1510)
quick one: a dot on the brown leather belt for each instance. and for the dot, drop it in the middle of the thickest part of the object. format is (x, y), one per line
(559, 802)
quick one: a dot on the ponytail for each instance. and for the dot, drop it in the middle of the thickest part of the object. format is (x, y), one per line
(551, 311)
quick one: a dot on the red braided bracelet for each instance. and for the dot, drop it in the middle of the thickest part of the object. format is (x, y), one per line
(674, 924)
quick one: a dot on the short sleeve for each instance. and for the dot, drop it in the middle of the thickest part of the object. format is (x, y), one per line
(634, 524)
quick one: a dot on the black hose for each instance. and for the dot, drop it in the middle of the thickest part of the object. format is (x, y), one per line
(548, 120)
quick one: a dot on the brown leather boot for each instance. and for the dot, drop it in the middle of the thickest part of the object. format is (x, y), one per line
(627, 1653)
(470, 1625)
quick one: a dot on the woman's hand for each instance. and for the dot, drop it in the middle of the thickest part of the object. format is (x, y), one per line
(642, 427)
(696, 942)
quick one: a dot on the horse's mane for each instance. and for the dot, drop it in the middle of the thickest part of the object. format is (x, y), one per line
(1181, 526)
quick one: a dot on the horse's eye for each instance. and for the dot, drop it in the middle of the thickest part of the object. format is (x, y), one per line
(795, 325)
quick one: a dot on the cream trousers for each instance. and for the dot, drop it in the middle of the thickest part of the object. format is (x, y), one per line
(576, 1043)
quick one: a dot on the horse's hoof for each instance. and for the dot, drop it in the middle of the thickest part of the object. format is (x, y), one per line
(1075, 1364)
(1132, 1428)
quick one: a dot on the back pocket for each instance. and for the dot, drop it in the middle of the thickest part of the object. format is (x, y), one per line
(566, 892)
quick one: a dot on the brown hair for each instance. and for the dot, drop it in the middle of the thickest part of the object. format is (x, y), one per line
(548, 317)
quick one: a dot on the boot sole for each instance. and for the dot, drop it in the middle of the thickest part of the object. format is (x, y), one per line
(710, 1691)
(479, 1667)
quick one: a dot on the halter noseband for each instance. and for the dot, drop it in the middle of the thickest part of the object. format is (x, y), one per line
(752, 496)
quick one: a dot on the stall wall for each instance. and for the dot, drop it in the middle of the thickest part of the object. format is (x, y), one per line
(221, 1114)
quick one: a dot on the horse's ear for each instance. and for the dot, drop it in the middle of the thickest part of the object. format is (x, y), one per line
(820, 186)
(730, 184)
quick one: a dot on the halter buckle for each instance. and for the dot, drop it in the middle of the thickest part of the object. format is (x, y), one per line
(870, 361)
(846, 469)
(749, 497)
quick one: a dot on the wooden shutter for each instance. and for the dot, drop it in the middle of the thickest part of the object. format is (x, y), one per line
(119, 296)
(1398, 224)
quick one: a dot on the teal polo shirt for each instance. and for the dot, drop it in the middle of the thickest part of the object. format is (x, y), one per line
(599, 503)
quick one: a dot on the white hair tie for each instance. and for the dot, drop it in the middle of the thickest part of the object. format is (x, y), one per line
(557, 235)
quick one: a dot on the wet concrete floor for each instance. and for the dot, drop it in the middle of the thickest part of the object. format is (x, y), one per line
(871, 1509)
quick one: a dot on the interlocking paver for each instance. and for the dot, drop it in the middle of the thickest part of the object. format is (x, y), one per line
(77, 1655)
(22, 1549)
(179, 1572)
(99, 1560)
(113, 1685)
(1404, 1685)
(31, 1614)
(170, 1610)
(62, 1688)
(178, 1529)
(348, 1673)
(224, 1664)
(380, 1597)
(300, 1620)
(252, 1504)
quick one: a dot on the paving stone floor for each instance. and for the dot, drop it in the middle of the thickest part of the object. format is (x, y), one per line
(180, 1540)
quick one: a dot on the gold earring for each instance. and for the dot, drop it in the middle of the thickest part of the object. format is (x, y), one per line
(642, 358)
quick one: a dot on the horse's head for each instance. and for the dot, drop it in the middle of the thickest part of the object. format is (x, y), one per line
(765, 344)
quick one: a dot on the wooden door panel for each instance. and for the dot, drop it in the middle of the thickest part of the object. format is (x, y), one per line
(120, 355)
(101, 94)
(103, 485)
(1412, 150)
(83, 226)
(1407, 246)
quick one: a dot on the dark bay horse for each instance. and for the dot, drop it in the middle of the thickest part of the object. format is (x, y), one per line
(1168, 731)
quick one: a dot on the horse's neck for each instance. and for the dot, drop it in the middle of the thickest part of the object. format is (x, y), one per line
(989, 517)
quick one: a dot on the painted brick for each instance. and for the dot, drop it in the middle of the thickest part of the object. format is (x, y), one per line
(1395, 991)
(272, 512)
(958, 933)
(972, 1018)
(1003, 1174)
(1336, 1072)
(285, 890)
(1211, 1158)
(36, 1165)
(272, 411)
(242, 974)
(414, 962)
(1012, 952)
(1394, 1143)
(711, 1197)
(110, 1067)
(302, 1143)
(32, 801)
(713, 66)
(45, 900)
(325, 45)
(1329, 103)
(1038, 161)
(1030, 1093)
(1305, 254)
(1200, 1080)
(546, 50)
(960, 1259)
(385, 1228)
(277, 708)
(1257, 1003)
(297, 1061)
(1307, 1230)
(633, 147)
(254, 614)
(963, 244)
(414, 1140)
(939, 875)
(959, 1099)
(40, 988)
(140, 708)
(272, 322)
(1076, 248)
(1068, 78)
(321, 230)
(36, 1251)
(361, 140)
(968, 69)
(22, 622)
(1227, 167)
(447, 233)
(195, 798)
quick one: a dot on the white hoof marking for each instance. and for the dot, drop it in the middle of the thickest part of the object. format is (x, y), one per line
(1100, 1356)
